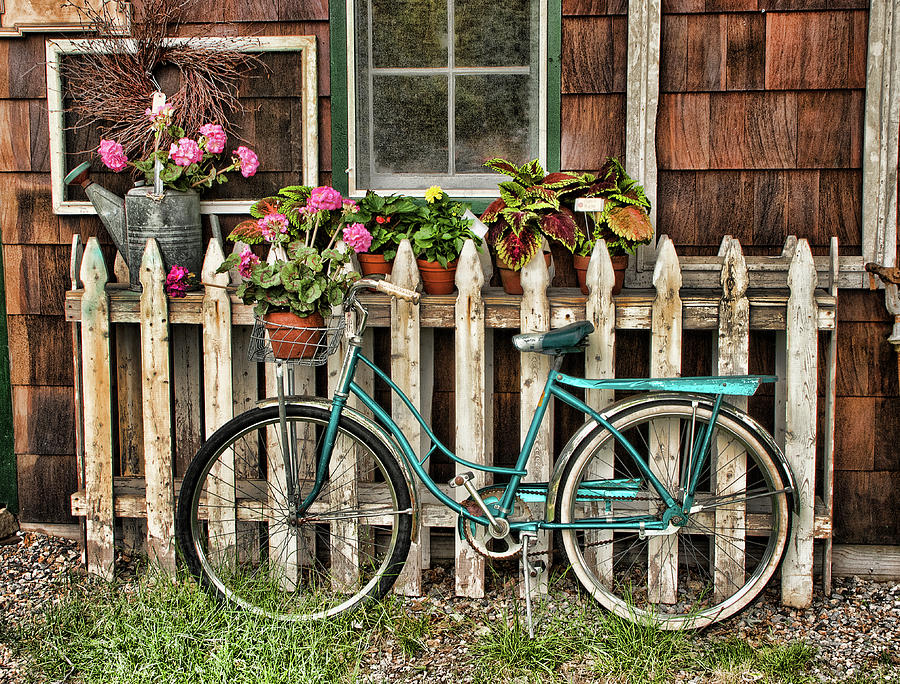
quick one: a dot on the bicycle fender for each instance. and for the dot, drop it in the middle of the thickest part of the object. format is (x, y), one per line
(364, 421)
(588, 427)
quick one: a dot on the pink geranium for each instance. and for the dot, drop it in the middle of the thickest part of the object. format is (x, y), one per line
(160, 116)
(177, 281)
(248, 160)
(324, 197)
(357, 237)
(248, 260)
(185, 152)
(271, 225)
(350, 207)
(215, 137)
(112, 154)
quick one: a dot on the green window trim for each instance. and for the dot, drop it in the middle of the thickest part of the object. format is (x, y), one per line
(340, 97)
(8, 474)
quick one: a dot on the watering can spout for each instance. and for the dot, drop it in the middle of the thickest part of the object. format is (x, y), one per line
(110, 207)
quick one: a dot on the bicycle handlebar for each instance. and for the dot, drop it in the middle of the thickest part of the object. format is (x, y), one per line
(384, 286)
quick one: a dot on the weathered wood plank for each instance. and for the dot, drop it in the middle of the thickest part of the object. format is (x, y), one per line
(156, 385)
(471, 407)
(829, 425)
(535, 317)
(800, 424)
(97, 413)
(665, 361)
(405, 371)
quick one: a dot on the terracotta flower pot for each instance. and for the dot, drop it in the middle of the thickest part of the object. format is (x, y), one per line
(374, 264)
(293, 336)
(619, 264)
(437, 279)
(512, 280)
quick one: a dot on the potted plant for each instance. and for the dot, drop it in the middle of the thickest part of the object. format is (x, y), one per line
(296, 292)
(168, 195)
(528, 211)
(389, 220)
(624, 221)
(439, 240)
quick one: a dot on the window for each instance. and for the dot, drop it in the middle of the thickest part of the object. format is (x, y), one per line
(433, 89)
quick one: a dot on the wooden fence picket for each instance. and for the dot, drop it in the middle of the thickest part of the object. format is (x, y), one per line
(77, 394)
(215, 314)
(665, 361)
(157, 433)
(800, 423)
(405, 371)
(98, 429)
(471, 409)
(534, 316)
(600, 362)
(731, 357)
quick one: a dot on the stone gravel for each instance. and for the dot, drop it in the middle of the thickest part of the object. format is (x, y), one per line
(855, 631)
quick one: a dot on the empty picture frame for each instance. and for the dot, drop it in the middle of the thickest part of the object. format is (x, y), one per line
(306, 90)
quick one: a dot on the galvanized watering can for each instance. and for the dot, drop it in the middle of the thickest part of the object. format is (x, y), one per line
(172, 217)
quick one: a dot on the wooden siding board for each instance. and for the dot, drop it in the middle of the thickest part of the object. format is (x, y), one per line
(861, 518)
(593, 54)
(39, 136)
(745, 56)
(886, 455)
(803, 207)
(807, 50)
(683, 131)
(26, 212)
(302, 10)
(676, 206)
(753, 130)
(855, 441)
(863, 305)
(53, 433)
(859, 45)
(769, 208)
(693, 47)
(673, 53)
(40, 351)
(325, 161)
(840, 209)
(26, 76)
(591, 130)
(824, 135)
(855, 365)
(45, 484)
(15, 143)
(726, 208)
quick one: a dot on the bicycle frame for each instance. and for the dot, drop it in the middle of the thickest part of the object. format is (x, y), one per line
(552, 388)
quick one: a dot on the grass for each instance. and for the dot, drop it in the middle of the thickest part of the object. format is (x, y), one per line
(159, 630)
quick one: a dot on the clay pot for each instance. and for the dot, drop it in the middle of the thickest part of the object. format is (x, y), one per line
(374, 264)
(619, 264)
(437, 279)
(293, 336)
(512, 281)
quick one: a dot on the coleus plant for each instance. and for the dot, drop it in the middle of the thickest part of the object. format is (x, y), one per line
(624, 222)
(530, 208)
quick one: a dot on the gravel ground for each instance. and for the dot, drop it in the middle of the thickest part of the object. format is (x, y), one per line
(856, 630)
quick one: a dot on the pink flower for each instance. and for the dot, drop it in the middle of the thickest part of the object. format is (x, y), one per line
(248, 260)
(112, 154)
(160, 116)
(350, 207)
(248, 160)
(324, 197)
(177, 281)
(215, 137)
(271, 225)
(185, 152)
(357, 237)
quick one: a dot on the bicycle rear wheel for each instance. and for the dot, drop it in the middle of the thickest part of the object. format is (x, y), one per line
(709, 569)
(238, 535)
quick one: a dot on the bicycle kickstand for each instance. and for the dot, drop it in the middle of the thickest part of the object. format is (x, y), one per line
(531, 570)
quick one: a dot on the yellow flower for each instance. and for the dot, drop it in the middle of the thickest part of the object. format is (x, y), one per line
(433, 193)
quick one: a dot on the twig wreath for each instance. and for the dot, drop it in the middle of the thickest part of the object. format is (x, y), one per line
(111, 89)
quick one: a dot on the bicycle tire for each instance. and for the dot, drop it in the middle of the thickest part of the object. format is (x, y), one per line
(675, 581)
(346, 550)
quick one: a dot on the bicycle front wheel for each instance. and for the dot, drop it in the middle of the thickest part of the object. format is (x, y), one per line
(704, 571)
(240, 535)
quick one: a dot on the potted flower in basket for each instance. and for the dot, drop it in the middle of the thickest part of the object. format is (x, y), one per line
(168, 197)
(529, 210)
(623, 221)
(440, 239)
(297, 291)
(389, 220)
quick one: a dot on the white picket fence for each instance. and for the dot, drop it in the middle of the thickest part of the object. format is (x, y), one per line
(793, 294)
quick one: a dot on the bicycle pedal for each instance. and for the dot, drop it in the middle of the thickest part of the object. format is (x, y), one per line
(537, 567)
(461, 479)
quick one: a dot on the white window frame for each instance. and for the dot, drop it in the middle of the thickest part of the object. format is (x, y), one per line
(489, 180)
(305, 46)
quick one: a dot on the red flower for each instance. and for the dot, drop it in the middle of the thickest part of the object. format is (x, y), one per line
(381, 219)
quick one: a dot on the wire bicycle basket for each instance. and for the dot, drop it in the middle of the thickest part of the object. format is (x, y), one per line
(272, 341)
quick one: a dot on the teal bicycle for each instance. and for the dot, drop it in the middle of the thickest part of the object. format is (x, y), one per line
(671, 504)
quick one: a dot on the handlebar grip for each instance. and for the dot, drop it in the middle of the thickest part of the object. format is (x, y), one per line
(397, 291)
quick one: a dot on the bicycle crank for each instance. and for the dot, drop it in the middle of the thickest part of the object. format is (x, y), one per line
(496, 540)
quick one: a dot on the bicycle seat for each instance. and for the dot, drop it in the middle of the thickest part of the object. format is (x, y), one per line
(560, 341)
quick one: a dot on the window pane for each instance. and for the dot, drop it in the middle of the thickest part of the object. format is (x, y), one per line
(407, 33)
(497, 33)
(492, 120)
(410, 124)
